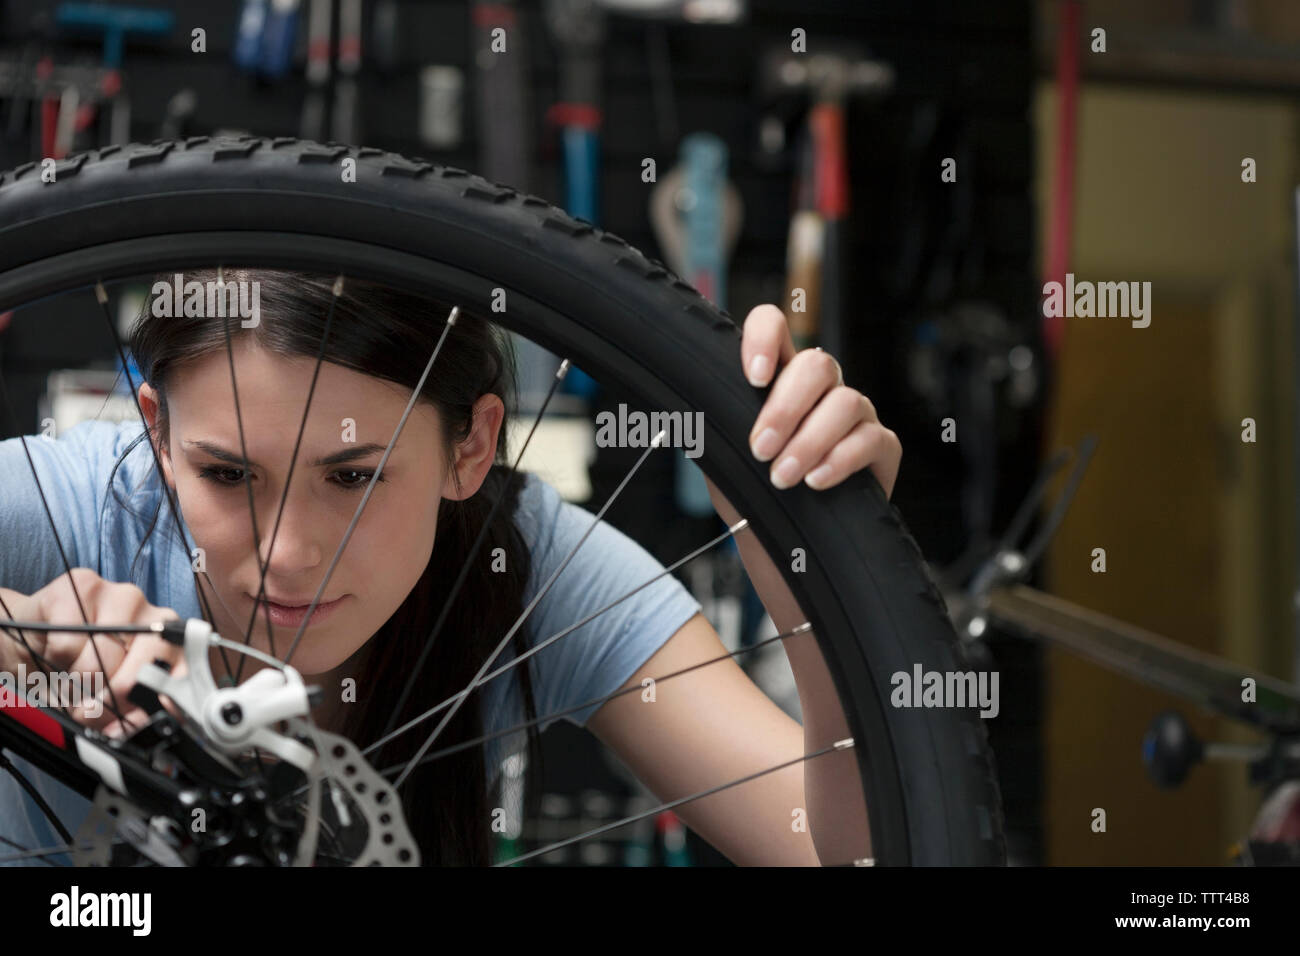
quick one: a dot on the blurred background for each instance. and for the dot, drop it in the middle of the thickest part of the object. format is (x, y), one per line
(919, 170)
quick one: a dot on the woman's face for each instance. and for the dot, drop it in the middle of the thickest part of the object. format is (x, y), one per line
(351, 419)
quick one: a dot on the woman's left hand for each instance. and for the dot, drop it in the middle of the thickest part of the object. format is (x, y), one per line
(813, 427)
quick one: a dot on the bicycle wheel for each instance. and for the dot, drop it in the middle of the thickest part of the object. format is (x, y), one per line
(927, 774)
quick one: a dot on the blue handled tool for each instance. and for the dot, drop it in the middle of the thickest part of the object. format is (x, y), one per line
(115, 23)
(267, 34)
(579, 29)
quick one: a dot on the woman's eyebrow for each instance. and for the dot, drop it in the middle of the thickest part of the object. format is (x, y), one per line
(352, 453)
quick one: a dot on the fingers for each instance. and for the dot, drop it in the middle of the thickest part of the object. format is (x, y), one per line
(15, 645)
(869, 444)
(145, 649)
(812, 427)
(765, 344)
(834, 418)
(105, 664)
(62, 601)
(809, 375)
(106, 603)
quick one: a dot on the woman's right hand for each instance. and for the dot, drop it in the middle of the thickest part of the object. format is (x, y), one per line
(122, 655)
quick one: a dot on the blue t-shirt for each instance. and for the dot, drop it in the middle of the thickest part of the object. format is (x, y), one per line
(98, 533)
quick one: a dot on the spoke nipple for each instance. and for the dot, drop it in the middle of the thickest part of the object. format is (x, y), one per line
(338, 287)
(659, 438)
(221, 277)
(865, 861)
(100, 294)
(563, 369)
(740, 525)
(805, 626)
(844, 744)
(455, 312)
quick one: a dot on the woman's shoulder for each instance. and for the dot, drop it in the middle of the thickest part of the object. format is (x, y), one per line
(73, 480)
(552, 526)
(117, 457)
(101, 443)
(76, 464)
(538, 511)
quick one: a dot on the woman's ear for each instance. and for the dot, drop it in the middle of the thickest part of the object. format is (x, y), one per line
(475, 455)
(150, 406)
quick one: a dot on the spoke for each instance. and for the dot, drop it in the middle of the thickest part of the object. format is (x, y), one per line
(27, 854)
(515, 662)
(370, 486)
(22, 639)
(42, 805)
(595, 701)
(47, 666)
(104, 404)
(844, 744)
(464, 694)
(336, 291)
(48, 851)
(101, 296)
(106, 629)
(469, 560)
(248, 484)
(63, 554)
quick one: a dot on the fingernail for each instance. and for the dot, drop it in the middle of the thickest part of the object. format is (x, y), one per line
(759, 367)
(818, 477)
(786, 473)
(766, 444)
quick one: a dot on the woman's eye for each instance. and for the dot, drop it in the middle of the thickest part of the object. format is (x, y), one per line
(223, 475)
(352, 478)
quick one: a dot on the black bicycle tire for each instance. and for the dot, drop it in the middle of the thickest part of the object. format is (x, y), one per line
(584, 293)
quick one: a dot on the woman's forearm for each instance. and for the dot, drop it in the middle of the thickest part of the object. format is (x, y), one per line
(837, 815)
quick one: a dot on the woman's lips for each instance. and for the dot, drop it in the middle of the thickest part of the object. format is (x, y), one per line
(292, 615)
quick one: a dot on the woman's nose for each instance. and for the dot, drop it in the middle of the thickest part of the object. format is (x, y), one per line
(292, 546)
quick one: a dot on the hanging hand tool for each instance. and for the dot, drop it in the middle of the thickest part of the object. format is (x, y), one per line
(579, 30)
(267, 34)
(345, 127)
(115, 23)
(318, 69)
(506, 150)
(831, 77)
(696, 216)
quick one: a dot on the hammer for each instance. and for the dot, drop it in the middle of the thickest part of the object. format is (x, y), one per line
(815, 255)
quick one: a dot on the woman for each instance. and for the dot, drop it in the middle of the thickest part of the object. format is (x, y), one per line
(364, 639)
